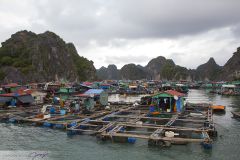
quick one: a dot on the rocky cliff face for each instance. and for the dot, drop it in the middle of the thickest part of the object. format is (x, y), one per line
(231, 70)
(132, 72)
(158, 68)
(111, 72)
(157, 65)
(161, 68)
(209, 71)
(30, 57)
(165, 69)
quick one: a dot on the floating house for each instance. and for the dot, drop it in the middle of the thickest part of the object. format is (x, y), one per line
(52, 87)
(1, 91)
(16, 99)
(99, 96)
(170, 101)
(65, 92)
(10, 88)
(230, 89)
(105, 86)
(93, 97)
(81, 87)
(180, 87)
(38, 96)
(165, 86)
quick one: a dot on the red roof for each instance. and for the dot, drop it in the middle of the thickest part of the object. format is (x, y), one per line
(11, 85)
(13, 94)
(175, 93)
(87, 83)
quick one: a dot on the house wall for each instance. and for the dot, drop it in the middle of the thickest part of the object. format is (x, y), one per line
(104, 98)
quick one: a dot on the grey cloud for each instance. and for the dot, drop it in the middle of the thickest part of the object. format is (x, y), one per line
(236, 30)
(123, 19)
(116, 23)
(177, 57)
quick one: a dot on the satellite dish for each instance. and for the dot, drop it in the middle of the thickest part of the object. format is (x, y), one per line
(176, 97)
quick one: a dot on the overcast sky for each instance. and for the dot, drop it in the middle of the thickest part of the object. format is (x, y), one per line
(132, 31)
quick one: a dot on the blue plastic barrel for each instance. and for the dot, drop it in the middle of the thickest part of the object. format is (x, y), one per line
(62, 112)
(131, 140)
(52, 110)
(122, 129)
(106, 119)
(151, 108)
(46, 124)
(12, 120)
(206, 145)
(72, 124)
(71, 132)
(82, 127)
(59, 126)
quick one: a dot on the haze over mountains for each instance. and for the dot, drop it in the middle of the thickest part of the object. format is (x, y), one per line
(161, 68)
(29, 57)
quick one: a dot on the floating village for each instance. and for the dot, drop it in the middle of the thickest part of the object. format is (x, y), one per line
(162, 117)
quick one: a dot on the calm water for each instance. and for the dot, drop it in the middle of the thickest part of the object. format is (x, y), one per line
(58, 145)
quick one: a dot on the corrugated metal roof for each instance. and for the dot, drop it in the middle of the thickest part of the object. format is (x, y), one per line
(5, 99)
(26, 99)
(94, 91)
(11, 85)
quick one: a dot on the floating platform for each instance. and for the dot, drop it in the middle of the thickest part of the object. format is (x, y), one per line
(129, 123)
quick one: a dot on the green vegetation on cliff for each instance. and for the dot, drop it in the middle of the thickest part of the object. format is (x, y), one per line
(28, 57)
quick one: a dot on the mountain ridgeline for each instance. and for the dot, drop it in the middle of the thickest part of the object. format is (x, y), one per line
(29, 57)
(161, 68)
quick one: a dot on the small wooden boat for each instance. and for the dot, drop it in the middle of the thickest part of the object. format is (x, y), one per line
(218, 108)
(236, 114)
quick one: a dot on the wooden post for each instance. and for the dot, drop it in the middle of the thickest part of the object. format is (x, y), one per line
(170, 99)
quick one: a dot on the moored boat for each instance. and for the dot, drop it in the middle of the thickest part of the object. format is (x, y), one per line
(218, 108)
(236, 114)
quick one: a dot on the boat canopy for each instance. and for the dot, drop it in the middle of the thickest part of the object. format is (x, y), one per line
(229, 86)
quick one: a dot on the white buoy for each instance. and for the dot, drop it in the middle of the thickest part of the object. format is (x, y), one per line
(107, 108)
(135, 104)
(169, 134)
(139, 123)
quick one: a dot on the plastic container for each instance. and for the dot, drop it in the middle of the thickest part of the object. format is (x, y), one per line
(131, 140)
(169, 134)
(12, 120)
(72, 124)
(59, 126)
(62, 112)
(46, 124)
(52, 110)
(139, 123)
(46, 116)
(151, 108)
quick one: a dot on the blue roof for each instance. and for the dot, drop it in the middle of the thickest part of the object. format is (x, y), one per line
(94, 91)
